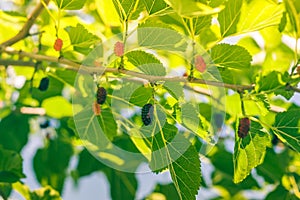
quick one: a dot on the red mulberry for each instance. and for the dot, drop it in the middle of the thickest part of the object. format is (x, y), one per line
(119, 49)
(96, 108)
(200, 64)
(58, 44)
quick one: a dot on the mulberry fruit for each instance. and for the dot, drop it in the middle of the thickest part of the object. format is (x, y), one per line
(101, 95)
(244, 127)
(58, 44)
(147, 114)
(44, 84)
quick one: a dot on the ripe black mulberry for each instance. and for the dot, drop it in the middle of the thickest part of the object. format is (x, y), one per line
(244, 127)
(101, 95)
(44, 84)
(147, 114)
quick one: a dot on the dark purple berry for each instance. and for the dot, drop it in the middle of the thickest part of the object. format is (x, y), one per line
(244, 127)
(44, 84)
(101, 95)
(147, 114)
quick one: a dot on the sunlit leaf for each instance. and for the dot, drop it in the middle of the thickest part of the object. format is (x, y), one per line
(231, 56)
(146, 63)
(171, 150)
(154, 6)
(229, 17)
(57, 107)
(250, 151)
(70, 4)
(286, 127)
(259, 14)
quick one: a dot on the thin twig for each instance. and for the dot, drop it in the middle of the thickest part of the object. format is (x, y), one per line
(24, 32)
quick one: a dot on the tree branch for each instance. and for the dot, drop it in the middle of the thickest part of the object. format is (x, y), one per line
(71, 65)
(24, 32)
(16, 63)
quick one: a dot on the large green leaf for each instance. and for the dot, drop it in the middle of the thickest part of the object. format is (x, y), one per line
(50, 163)
(191, 120)
(231, 56)
(259, 14)
(70, 4)
(191, 8)
(175, 89)
(11, 169)
(80, 37)
(125, 183)
(274, 82)
(223, 175)
(229, 17)
(146, 63)
(154, 6)
(161, 39)
(14, 130)
(141, 96)
(286, 127)
(293, 12)
(274, 166)
(57, 107)
(250, 151)
(173, 151)
(201, 23)
(87, 164)
(108, 13)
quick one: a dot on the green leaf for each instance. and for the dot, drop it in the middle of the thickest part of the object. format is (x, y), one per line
(146, 63)
(11, 169)
(80, 37)
(154, 6)
(191, 8)
(87, 164)
(45, 193)
(54, 89)
(14, 130)
(128, 9)
(50, 163)
(66, 76)
(168, 190)
(192, 121)
(108, 13)
(259, 14)
(125, 183)
(5, 190)
(274, 82)
(250, 151)
(229, 17)
(107, 123)
(175, 89)
(201, 23)
(280, 192)
(223, 175)
(70, 4)
(141, 96)
(57, 107)
(161, 39)
(170, 149)
(274, 165)
(286, 127)
(231, 56)
(293, 12)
